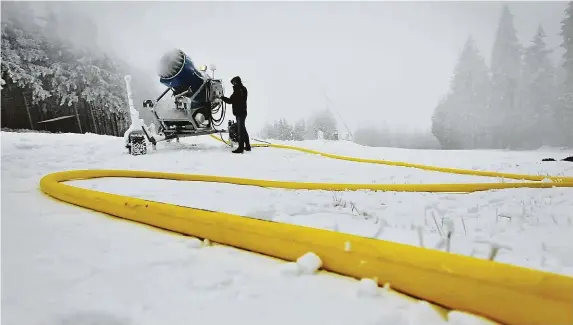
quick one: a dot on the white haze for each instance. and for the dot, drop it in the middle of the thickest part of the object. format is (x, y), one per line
(380, 63)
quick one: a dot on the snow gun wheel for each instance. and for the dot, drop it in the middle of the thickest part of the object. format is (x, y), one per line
(233, 132)
(136, 144)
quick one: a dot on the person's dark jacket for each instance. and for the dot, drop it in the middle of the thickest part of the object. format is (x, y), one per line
(238, 99)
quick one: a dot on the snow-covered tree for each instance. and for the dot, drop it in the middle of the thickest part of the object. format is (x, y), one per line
(24, 58)
(380, 136)
(564, 111)
(443, 125)
(299, 130)
(470, 93)
(506, 77)
(460, 120)
(567, 34)
(323, 121)
(537, 119)
(279, 130)
(284, 130)
(46, 51)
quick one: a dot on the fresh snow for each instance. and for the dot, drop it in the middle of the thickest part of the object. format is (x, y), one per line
(63, 264)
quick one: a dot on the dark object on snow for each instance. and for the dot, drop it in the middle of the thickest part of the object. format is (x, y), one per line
(239, 101)
(239, 97)
(570, 158)
(244, 143)
(233, 131)
(136, 144)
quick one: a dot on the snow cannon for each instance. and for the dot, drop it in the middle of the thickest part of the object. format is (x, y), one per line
(191, 87)
(195, 93)
(177, 71)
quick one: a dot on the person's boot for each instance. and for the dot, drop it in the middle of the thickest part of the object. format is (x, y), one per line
(238, 150)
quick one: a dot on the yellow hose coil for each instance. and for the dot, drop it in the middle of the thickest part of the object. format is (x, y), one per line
(501, 292)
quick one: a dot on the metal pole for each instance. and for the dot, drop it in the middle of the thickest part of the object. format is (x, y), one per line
(328, 106)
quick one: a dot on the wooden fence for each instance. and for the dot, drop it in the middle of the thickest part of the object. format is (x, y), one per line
(18, 112)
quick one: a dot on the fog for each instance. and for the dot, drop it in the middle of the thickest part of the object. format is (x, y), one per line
(378, 62)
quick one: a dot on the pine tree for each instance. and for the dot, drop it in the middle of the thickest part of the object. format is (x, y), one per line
(79, 71)
(506, 76)
(324, 122)
(442, 124)
(62, 84)
(37, 57)
(567, 44)
(268, 132)
(460, 120)
(281, 130)
(24, 58)
(470, 87)
(565, 107)
(538, 116)
(299, 130)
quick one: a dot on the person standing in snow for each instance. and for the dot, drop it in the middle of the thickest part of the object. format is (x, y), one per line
(239, 101)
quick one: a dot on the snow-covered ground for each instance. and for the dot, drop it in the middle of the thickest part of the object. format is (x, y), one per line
(65, 265)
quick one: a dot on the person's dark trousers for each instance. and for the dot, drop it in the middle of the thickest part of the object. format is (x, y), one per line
(244, 143)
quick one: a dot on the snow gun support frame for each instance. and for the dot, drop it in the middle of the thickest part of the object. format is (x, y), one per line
(195, 93)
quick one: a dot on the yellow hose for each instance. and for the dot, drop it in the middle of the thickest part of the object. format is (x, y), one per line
(501, 292)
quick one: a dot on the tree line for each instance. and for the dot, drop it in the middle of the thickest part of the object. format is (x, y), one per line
(520, 101)
(322, 124)
(40, 57)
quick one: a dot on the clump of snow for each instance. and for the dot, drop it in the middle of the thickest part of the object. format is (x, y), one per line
(290, 269)
(193, 242)
(395, 317)
(347, 246)
(456, 317)
(309, 263)
(423, 312)
(367, 288)
(387, 287)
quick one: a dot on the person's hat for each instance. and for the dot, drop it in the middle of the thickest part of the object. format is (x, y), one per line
(236, 79)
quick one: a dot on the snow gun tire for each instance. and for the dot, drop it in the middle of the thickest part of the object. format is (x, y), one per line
(137, 145)
(500, 292)
(138, 149)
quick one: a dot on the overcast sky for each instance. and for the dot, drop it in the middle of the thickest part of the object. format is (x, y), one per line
(379, 62)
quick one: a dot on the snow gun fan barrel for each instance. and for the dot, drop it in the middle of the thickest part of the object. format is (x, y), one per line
(177, 71)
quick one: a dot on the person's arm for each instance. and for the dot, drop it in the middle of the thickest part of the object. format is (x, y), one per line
(226, 100)
(229, 100)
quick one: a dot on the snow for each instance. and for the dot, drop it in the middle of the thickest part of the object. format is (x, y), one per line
(367, 287)
(69, 265)
(309, 263)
